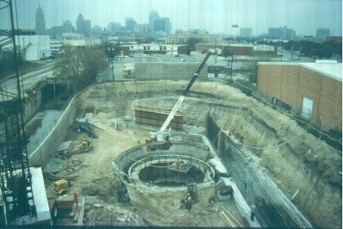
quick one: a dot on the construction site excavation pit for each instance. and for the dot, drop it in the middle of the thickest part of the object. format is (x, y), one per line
(163, 173)
(249, 137)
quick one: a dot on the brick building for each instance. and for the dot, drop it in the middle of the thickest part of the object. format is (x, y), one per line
(239, 49)
(184, 38)
(311, 90)
(225, 49)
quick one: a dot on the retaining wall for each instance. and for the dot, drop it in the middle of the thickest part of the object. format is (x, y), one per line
(49, 146)
(273, 207)
(167, 71)
(33, 101)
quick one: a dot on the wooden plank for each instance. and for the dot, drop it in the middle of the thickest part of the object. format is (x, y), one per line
(81, 212)
(233, 218)
(225, 218)
(76, 217)
(72, 213)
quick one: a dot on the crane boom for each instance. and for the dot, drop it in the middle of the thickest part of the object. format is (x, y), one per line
(185, 92)
(196, 74)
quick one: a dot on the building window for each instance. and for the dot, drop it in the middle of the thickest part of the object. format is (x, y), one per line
(307, 108)
(282, 105)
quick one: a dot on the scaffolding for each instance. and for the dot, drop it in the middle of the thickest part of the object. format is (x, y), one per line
(16, 179)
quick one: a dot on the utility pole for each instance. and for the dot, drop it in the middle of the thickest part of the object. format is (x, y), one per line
(231, 67)
(112, 62)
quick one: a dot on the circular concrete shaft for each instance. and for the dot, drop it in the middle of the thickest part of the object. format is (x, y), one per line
(170, 170)
(162, 176)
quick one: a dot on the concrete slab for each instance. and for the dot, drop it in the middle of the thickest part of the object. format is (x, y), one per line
(98, 125)
(39, 193)
(218, 165)
(64, 146)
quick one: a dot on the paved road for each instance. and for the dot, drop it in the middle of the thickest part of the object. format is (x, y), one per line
(30, 79)
(9, 84)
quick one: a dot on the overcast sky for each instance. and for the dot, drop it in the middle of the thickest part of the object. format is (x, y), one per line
(216, 16)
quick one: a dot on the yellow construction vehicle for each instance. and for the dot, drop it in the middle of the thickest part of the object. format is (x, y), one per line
(61, 186)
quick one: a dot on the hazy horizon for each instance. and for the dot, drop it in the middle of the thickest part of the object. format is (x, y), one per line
(215, 16)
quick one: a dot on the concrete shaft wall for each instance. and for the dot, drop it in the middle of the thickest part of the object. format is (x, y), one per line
(291, 83)
(167, 71)
(152, 196)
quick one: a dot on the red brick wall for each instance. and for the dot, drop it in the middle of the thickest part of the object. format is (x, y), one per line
(242, 50)
(262, 78)
(274, 80)
(309, 86)
(291, 82)
(183, 50)
(330, 103)
(205, 47)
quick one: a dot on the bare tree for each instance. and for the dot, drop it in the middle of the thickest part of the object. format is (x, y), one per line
(80, 66)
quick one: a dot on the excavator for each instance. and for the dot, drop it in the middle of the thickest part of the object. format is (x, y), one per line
(162, 135)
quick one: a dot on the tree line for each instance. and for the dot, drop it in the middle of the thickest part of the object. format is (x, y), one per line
(317, 50)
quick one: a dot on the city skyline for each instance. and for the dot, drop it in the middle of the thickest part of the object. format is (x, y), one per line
(215, 16)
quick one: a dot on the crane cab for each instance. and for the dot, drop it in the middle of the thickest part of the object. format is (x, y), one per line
(159, 136)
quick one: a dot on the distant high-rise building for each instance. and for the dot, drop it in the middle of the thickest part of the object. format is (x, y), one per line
(83, 26)
(114, 27)
(162, 25)
(56, 32)
(281, 33)
(40, 22)
(67, 27)
(141, 28)
(246, 32)
(153, 16)
(322, 33)
(96, 29)
(130, 24)
(88, 26)
(79, 24)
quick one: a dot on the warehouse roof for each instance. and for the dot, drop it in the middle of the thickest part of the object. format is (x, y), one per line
(328, 68)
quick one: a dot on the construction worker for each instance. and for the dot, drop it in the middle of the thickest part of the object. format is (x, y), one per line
(189, 201)
(190, 190)
(253, 212)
